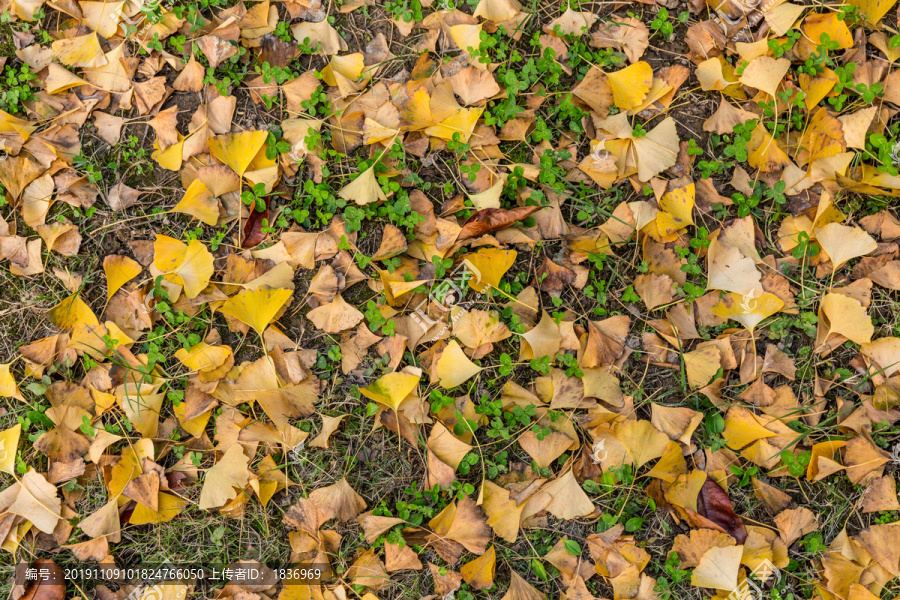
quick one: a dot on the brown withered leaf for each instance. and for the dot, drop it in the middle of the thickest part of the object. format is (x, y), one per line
(53, 588)
(276, 51)
(714, 504)
(253, 233)
(490, 220)
(121, 197)
(552, 277)
(446, 581)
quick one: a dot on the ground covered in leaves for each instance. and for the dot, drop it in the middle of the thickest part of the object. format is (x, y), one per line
(475, 299)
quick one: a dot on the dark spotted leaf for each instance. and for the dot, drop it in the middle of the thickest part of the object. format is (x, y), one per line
(490, 220)
(714, 504)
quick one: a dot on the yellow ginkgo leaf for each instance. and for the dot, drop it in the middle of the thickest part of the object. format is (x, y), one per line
(37, 501)
(684, 490)
(656, 151)
(20, 126)
(25, 10)
(886, 354)
(374, 132)
(237, 150)
(783, 17)
(717, 74)
(643, 441)
(336, 316)
(128, 467)
(200, 203)
(746, 310)
(571, 22)
(826, 449)
(204, 358)
(454, 367)
(816, 88)
(489, 198)
(142, 409)
(843, 243)
(9, 442)
(466, 37)
(479, 573)
(765, 74)
(631, 84)
(567, 499)
(732, 261)
(815, 26)
(670, 465)
(104, 522)
(676, 208)
(497, 11)
(824, 136)
(71, 312)
(80, 51)
(462, 122)
(855, 125)
(59, 79)
(112, 76)
(225, 479)
(488, 266)
(170, 157)
(349, 66)
(718, 568)
(503, 514)
(449, 449)
(260, 162)
(270, 480)
(743, 428)
(544, 339)
(119, 271)
(194, 425)
(256, 308)
(765, 152)
(115, 333)
(170, 506)
(363, 190)
(873, 10)
(102, 17)
(845, 316)
(190, 265)
(390, 390)
(321, 36)
(401, 288)
(8, 386)
(701, 364)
